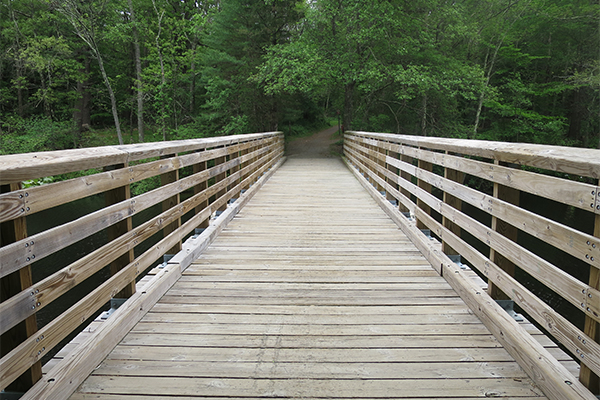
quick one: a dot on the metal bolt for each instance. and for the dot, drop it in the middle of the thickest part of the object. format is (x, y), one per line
(582, 305)
(588, 242)
(38, 304)
(20, 196)
(26, 244)
(587, 256)
(590, 295)
(28, 259)
(583, 341)
(588, 309)
(23, 210)
(592, 258)
(28, 208)
(31, 243)
(33, 307)
(33, 256)
(26, 194)
(37, 290)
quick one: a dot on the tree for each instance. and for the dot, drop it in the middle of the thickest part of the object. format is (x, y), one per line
(84, 23)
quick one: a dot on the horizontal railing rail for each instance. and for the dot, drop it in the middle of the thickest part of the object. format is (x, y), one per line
(198, 179)
(466, 194)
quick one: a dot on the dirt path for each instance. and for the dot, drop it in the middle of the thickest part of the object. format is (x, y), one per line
(319, 145)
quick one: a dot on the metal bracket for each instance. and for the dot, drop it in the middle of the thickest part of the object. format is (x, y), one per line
(166, 258)
(427, 232)
(115, 303)
(456, 259)
(198, 232)
(508, 306)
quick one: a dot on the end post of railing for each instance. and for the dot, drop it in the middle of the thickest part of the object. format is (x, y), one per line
(10, 232)
(591, 328)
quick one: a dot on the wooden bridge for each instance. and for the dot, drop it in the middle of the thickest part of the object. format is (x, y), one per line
(375, 276)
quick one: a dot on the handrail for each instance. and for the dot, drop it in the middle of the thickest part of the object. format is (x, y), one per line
(425, 176)
(217, 170)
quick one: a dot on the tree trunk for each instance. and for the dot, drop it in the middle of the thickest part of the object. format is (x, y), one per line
(162, 72)
(424, 116)
(113, 100)
(138, 73)
(348, 105)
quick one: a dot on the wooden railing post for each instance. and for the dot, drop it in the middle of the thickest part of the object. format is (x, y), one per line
(165, 179)
(427, 166)
(452, 201)
(10, 232)
(395, 171)
(111, 197)
(232, 156)
(406, 176)
(197, 168)
(511, 196)
(219, 178)
(591, 328)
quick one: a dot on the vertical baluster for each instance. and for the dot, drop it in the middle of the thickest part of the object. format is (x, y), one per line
(511, 196)
(407, 177)
(395, 171)
(219, 178)
(165, 179)
(111, 197)
(10, 232)
(452, 201)
(197, 168)
(426, 166)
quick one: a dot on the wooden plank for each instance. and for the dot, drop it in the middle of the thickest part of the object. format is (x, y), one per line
(310, 370)
(306, 388)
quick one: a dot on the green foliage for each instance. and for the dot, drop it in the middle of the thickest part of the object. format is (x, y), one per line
(499, 70)
(34, 134)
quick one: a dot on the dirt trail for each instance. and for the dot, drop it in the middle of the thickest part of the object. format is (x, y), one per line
(319, 145)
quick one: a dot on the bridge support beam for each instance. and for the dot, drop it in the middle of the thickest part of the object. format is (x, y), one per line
(10, 285)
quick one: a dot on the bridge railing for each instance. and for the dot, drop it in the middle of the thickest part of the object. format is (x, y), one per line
(198, 178)
(490, 203)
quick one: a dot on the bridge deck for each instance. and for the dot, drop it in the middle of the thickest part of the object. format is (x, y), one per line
(310, 292)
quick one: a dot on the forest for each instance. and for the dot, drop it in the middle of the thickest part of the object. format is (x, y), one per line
(77, 73)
